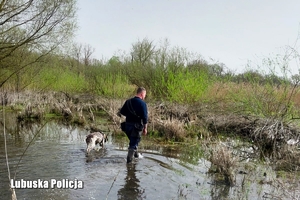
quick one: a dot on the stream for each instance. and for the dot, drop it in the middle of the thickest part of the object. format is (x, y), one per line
(55, 166)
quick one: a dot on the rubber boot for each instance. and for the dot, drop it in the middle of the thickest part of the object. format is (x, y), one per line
(130, 155)
(136, 154)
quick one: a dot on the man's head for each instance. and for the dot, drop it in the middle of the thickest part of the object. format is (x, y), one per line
(141, 92)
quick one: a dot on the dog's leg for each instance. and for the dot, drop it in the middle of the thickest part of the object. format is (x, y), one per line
(98, 142)
(89, 147)
(87, 151)
(90, 144)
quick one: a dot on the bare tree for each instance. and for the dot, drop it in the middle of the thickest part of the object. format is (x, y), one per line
(34, 27)
(87, 51)
(80, 56)
(143, 51)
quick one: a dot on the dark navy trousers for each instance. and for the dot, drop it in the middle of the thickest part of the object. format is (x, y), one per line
(133, 135)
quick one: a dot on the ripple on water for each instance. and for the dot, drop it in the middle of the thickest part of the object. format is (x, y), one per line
(59, 154)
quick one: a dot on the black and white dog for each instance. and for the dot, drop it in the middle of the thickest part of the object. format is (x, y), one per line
(93, 139)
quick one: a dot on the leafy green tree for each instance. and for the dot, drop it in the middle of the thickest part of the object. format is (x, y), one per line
(32, 27)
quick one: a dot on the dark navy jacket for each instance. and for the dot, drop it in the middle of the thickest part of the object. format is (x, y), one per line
(140, 108)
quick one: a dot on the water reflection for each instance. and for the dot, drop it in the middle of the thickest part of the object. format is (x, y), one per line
(58, 152)
(219, 191)
(131, 189)
(96, 154)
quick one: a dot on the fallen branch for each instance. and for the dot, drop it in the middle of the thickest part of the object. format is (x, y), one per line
(112, 184)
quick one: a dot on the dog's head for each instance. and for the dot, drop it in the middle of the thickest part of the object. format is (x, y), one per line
(105, 139)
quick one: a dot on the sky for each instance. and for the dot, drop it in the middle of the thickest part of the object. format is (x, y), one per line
(232, 32)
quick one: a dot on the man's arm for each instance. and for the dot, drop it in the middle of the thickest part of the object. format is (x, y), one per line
(145, 119)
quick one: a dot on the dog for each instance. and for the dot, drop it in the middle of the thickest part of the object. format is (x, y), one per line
(93, 139)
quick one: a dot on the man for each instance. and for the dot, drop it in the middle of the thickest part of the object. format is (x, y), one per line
(136, 112)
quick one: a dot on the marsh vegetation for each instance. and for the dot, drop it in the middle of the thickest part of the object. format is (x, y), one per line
(191, 101)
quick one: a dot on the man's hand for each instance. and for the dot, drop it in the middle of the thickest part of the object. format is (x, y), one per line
(145, 131)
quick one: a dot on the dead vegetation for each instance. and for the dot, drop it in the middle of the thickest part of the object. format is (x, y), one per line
(223, 163)
(172, 122)
(269, 134)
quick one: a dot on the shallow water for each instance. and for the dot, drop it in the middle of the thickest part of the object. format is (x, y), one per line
(58, 154)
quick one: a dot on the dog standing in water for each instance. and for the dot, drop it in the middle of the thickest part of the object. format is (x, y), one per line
(93, 139)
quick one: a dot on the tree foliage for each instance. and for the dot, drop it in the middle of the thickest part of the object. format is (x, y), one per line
(32, 27)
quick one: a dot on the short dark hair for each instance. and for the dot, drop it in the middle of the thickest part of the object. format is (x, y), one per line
(140, 89)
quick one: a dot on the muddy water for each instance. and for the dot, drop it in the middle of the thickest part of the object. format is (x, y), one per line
(57, 155)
